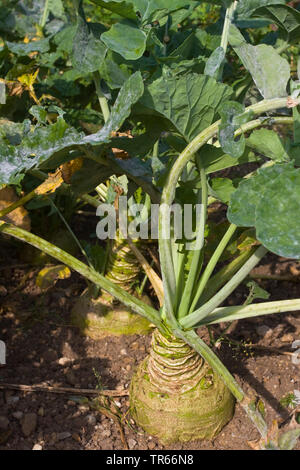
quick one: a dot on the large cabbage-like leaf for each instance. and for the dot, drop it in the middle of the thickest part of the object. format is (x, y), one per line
(277, 218)
(285, 17)
(47, 145)
(246, 7)
(269, 70)
(269, 144)
(126, 39)
(269, 201)
(189, 102)
(243, 203)
(88, 49)
(148, 9)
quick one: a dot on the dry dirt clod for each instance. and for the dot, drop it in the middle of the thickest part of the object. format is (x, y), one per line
(29, 424)
(91, 420)
(4, 423)
(18, 415)
(132, 443)
(264, 331)
(151, 445)
(287, 338)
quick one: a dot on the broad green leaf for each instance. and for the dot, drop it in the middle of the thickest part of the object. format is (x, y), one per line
(24, 49)
(115, 75)
(88, 49)
(288, 440)
(45, 147)
(269, 144)
(262, 61)
(126, 39)
(35, 148)
(89, 176)
(148, 10)
(214, 158)
(222, 188)
(246, 7)
(120, 7)
(214, 62)
(189, 102)
(244, 201)
(64, 39)
(185, 48)
(277, 215)
(12, 132)
(39, 113)
(130, 93)
(285, 17)
(56, 7)
(151, 10)
(11, 166)
(232, 117)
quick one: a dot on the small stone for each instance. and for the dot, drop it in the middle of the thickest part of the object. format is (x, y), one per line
(70, 376)
(128, 367)
(264, 331)
(62, 361)
(63, 435)
(123, 352)
(37, 447)
(4, 422)
(29, 423)
(131, 443)
(151, 445)
(91, 420)
(41, 411)
(287, 338)
(18, 414)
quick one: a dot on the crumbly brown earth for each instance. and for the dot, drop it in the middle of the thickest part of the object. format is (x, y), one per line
(43, 348)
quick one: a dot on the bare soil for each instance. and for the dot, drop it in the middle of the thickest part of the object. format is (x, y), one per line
(44, 349)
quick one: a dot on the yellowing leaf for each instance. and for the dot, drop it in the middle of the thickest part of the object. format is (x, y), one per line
(69, 168)
(50, 184)
(28, 79)
(48, 276)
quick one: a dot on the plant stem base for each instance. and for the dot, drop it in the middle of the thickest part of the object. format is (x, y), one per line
(101, 317)
(176, 397)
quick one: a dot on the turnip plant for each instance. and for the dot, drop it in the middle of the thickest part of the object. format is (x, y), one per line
(173, 85)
